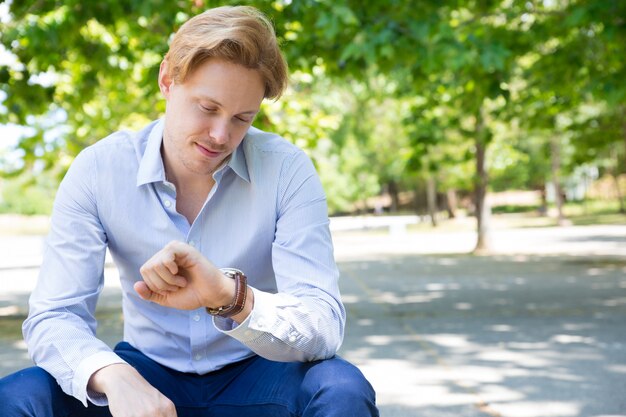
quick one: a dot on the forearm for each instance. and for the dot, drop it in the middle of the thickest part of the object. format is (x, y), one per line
(63, 344)
(287, 328)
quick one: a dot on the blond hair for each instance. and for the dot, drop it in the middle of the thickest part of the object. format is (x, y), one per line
(238, 34)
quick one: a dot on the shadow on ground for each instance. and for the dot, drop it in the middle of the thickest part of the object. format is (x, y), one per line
(498, 336)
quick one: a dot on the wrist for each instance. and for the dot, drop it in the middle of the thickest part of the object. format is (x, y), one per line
(101, 380)
(233, 302)
(228, 293)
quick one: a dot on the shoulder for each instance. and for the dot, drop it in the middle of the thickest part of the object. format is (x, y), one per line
(113, 159)
(265, 150)
(271, 159)
(259, 141)
(271, 154)
(122, 146)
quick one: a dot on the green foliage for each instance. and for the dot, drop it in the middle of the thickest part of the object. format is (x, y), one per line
(352, 131)
(27, 195)
(383, 92)
(570, 85)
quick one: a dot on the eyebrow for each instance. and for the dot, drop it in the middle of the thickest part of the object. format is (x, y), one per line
(212, 100)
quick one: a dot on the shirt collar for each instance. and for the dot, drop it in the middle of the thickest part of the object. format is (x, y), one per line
(151, 165)
(238, 161)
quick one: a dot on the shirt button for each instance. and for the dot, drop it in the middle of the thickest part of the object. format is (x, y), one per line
(198, 357)
(192, 243)
(196, 317)
(167, 203)
(292, 338)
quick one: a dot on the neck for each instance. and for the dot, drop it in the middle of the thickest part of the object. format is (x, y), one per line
(179, 175)
(188, 182)
(192, 190)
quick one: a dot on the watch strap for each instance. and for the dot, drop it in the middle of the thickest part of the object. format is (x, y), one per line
(241, 292)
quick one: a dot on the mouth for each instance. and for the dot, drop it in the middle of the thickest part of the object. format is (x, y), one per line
(209, 153)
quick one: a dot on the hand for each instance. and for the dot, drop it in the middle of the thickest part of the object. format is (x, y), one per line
(129, 394)
(179, 276)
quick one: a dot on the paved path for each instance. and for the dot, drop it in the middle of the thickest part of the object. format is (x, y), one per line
(537, 331)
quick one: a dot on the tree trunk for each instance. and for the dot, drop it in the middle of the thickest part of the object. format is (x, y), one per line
(392, 188)
(622, 209)
(555, 159)
(417, 201)
(483, 211)
(364, 207)
(620, 198)
(624, 126)
(543, 209)
(451, 203)
(431, 198)
(615, 175)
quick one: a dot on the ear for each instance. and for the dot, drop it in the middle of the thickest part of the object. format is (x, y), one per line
(165, 81)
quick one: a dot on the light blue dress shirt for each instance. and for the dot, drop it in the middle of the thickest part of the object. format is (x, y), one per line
(266, 215)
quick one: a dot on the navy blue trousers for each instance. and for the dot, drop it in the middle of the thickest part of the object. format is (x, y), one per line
(253, 387)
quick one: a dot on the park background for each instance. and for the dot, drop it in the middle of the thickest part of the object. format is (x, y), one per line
(465, 147)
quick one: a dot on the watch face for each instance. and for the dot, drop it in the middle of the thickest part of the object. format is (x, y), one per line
(231, 272)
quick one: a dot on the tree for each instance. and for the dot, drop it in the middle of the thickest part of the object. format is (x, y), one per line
(574, 81)
(477, 65)
(84, 70)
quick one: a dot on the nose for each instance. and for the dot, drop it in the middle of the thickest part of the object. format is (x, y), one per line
(219, 131)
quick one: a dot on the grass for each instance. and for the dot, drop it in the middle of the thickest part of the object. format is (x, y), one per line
(509, 217)
(514, 209)
(594, 212)
(11, 328)
(587, 220)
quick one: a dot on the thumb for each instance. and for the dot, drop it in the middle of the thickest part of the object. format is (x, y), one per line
(144, 292)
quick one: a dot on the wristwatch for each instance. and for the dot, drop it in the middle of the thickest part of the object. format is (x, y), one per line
(241, 291)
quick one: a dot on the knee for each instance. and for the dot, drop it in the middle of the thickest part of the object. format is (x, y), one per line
(19, 392)
(340, 380)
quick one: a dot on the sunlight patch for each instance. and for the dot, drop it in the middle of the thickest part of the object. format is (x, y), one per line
(569, 339)
(538, 409)
(9, 311)
(502, 328)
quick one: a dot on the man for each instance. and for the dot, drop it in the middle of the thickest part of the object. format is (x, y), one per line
(220, 234)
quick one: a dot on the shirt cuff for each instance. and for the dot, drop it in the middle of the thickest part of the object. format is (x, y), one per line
(262, 320)
(85, 370)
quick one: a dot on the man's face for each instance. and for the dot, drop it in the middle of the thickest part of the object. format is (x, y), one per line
(208, 115)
